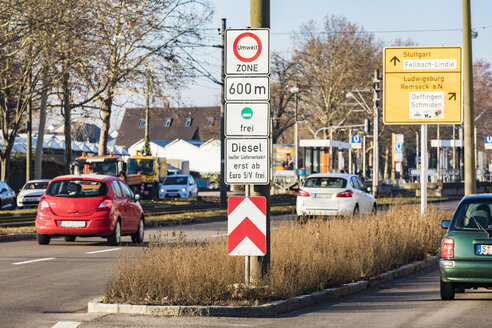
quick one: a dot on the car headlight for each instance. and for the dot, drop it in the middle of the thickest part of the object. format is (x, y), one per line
(162, 190)
(183, 190)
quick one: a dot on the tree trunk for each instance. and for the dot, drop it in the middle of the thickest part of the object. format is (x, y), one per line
(106, 117)
(5, 161)
(38, 155)
(67, 120)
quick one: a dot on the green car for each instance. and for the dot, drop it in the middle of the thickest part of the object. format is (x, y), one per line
(466, 256)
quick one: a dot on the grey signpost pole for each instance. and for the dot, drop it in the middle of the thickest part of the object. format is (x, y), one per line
(222, 185)
(423, 169)
(375, 151)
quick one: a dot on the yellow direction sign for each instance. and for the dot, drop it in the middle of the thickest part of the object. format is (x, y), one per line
(422, 85)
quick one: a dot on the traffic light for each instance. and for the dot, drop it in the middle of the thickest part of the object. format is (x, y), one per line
(367, 125)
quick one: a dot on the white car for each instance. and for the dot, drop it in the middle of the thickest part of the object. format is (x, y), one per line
(178, 186)
(334, 194)
(31, 193)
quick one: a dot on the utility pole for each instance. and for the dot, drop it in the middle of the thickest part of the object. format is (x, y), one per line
(350, 153)
(296, 132)
(375, 152)
(222, 185)
(29, 140)
(146, 147)
(468, 122)
(260, 17)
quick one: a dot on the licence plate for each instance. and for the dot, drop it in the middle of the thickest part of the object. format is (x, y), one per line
(72, 224)
(484, 249)
(322, 195)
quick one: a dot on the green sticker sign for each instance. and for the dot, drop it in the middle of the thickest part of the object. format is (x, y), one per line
(247, 113)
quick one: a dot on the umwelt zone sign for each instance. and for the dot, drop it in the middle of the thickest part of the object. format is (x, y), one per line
(247, 51)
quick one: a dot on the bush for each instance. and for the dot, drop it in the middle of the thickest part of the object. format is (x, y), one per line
(304, 258)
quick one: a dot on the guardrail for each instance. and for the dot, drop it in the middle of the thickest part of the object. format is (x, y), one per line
(19, 220)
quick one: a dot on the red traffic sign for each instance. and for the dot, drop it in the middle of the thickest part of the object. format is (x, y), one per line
(246, 226)
(247, 51)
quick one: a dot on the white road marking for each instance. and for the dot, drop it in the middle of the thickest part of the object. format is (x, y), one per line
(103, 251)
(67, 324)
(31, 261)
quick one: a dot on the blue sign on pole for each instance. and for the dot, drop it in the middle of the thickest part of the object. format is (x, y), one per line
(356, 139)
(398, 148)
(488, 142)
(356, 142)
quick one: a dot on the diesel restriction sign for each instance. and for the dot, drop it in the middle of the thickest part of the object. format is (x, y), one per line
(247, 88)
(246, 161)
(247, 51)
(247, 119)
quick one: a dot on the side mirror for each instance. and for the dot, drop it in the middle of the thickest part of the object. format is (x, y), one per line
(137, 197)
(445, 224)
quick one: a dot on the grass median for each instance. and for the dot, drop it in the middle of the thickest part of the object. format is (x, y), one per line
(304, 258)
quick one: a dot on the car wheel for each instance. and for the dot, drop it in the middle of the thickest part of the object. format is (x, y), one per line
(43, 239)
(356, 210)
(447, 290)
(70, 238)
(115, 238)
(138, 237)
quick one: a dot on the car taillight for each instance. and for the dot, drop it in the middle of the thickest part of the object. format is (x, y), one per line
(303, 193)
(43, 205)
(344, 194)
(105, 205)
(448, 248)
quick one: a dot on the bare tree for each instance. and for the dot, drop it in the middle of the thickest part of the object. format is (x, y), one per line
(133, 35)
(332, 61)
(282, 109)
(19, 72)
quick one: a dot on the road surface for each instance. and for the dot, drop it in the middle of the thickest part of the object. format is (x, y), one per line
(42, 286)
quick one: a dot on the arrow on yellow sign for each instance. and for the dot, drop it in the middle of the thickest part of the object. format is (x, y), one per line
(394, 60)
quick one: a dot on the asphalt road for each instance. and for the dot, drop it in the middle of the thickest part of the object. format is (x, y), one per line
(44, 286)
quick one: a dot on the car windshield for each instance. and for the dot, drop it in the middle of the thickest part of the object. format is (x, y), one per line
(176, 181)
(142, 166)
(325, 182)
(77, 188)
(473, 215)
(35, 185)
(106, 168)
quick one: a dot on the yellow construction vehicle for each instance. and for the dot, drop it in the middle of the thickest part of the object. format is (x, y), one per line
(152, 170)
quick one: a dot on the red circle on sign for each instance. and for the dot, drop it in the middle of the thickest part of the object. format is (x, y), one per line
(241, 58)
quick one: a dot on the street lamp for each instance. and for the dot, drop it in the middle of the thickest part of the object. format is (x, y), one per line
(295, 91)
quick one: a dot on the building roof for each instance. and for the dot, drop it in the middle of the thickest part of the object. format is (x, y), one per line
(168, 123)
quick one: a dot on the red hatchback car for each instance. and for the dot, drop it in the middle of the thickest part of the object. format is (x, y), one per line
(88, 206)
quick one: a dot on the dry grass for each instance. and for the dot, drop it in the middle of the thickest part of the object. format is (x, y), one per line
(304, 258)
(9, 230)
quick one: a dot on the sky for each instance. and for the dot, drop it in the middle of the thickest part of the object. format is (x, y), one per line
(426, 22)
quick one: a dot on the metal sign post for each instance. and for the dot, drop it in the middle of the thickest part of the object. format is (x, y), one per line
(423, 170)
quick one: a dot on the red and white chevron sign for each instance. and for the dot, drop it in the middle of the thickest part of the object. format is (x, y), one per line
(246, 226)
